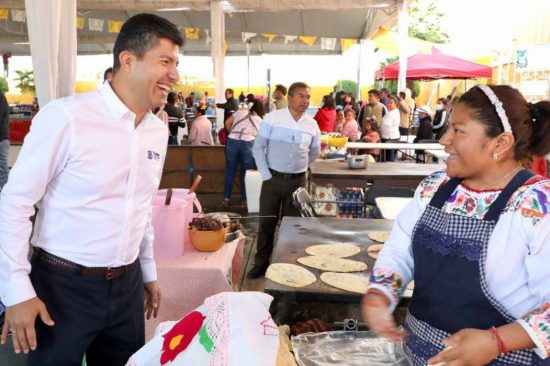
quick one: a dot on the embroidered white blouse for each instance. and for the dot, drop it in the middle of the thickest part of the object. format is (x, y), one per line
(517, 268)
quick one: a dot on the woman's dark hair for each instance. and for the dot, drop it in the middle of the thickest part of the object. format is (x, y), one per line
(250, 98)
(530, 122)
(443, 101)
(107, 71)
(328, 101)
(394, 98)
(258, 108)
(373, 126)
(201, 111)
(172, 98)
(141, 33)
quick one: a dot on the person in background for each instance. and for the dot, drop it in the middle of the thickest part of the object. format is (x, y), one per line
(190, 100)
(480, 229)
(385, 96)
(92, 164)
(349, 103)
(326, 115)
(350, 128)
(175, 118)
(288, 142)
(230, 106)
(339, 124)
(424, 131)
(441, 117)
(339, 99)
(243, 127)
(279, 97)
(406, 108)
(201, 128)
(108, 74)
(4, 138)
(205, 97)
(372, 111)
(389, 127)
(241, 97)
(371, 134)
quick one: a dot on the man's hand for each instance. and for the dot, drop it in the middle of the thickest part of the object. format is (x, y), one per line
(376, 313)
(471, 347)
(20, 318)
(152, 299)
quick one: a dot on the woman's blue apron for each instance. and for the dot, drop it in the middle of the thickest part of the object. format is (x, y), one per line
(451, 292)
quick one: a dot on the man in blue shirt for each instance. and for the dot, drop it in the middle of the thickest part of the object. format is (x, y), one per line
(286, 145)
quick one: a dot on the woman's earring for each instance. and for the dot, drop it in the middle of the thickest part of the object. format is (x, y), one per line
(495, 155)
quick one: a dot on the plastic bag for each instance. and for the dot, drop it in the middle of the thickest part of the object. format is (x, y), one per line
(347, 348)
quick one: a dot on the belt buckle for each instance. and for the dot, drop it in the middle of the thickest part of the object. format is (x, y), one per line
(109, 274)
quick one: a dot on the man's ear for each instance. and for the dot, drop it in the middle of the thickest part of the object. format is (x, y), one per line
(127, 60)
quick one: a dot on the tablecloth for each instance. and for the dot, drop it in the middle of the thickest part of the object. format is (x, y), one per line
(186, 281)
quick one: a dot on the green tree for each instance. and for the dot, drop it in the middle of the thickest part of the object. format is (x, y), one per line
(426, 22)
(4, 85)
(349, 86)
(25, 81)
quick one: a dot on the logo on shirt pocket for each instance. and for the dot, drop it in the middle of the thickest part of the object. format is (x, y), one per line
(153, 155)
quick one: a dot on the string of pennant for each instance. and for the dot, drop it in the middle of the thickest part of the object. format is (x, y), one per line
(191, 33)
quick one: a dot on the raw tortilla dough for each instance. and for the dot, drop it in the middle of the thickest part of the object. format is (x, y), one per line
(346, 281)
(379, 236)
(289, 275)
(333, 250)
(332, 264)
(374, 249)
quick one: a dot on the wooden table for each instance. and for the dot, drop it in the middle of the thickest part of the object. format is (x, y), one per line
(337, 173)
(297, 233)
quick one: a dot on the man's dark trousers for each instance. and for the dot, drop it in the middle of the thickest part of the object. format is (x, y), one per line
(102, 318)
(275, 199)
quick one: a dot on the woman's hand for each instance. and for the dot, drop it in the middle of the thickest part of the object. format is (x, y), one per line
(376, 312)
(470, 347)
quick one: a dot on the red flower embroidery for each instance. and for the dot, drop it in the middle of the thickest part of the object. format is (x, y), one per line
(180, 336)
(470, 204)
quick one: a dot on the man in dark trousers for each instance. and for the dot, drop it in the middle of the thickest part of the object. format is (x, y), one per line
(230, 106)
(286, 145)
(92, 164)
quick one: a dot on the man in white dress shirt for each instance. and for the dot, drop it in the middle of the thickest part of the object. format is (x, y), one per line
(92, 164)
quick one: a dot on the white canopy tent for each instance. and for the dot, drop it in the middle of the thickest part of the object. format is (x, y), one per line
(54, 47)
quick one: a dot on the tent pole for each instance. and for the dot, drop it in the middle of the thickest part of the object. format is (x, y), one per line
(217, 21)
(248, 65)
(403, 34)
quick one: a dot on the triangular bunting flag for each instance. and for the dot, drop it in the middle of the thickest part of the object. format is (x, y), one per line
(347, 43)
(79, 22)
(207, 40)
(309, 40)
(328, 43)
(192, 34)
(269, 36)
(247, 35)
(95, 24)
(289, 39)
(18, 15)
(114, 26)
(4, 14)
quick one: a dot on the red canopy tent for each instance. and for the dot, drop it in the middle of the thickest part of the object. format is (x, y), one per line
(436, 66)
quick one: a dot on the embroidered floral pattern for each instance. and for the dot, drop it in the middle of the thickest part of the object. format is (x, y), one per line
(539, 320)
(532, 200)
(180, 336)
(390, 280)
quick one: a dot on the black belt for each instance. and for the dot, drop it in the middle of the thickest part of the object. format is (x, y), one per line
(286, 175)
(110, 273)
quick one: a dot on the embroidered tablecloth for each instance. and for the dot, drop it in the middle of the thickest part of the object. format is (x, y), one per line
(186, 281)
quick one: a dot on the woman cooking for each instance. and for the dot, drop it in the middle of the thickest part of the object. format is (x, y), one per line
(476, 241)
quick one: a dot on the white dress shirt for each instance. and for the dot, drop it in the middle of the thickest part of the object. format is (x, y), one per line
(93, 176)
(286, 145)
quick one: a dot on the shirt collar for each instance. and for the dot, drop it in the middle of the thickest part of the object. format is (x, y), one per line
(118, 109)
(302, 117)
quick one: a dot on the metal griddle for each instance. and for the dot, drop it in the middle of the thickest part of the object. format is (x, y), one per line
(297, 233)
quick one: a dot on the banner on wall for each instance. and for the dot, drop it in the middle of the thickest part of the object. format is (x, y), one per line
(533, 58)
